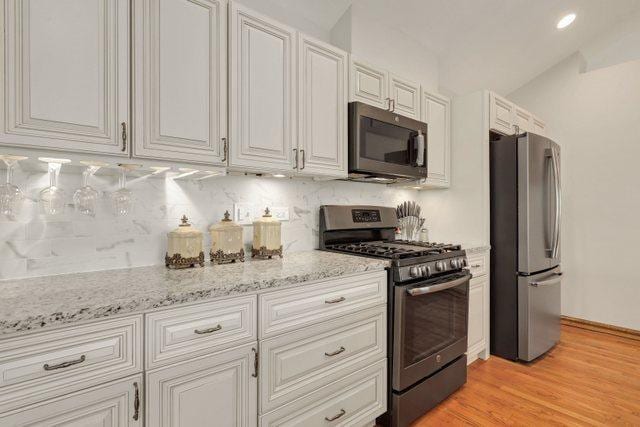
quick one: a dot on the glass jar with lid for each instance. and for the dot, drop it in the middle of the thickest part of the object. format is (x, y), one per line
(267, 240)
(226, 241)
(184, 246)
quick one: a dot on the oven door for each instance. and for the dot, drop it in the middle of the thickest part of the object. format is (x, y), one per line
(430, 327)
(382, 143)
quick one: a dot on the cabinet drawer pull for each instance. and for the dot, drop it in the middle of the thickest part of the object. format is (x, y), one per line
(295, 163)
(303, 161)
(335, 417)
(208, 330)
(225, 150)
(335, 353)
(256, 362)
(136, 402)
(48, 367)
(476, 265)
(334, 301)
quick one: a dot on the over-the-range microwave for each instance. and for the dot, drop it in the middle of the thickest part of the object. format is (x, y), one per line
(385, 146)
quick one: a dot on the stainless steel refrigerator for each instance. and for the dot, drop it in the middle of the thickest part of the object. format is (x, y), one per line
(525, 246)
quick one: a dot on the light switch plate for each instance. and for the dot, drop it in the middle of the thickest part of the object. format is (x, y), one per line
(281, 213)
(243, 213)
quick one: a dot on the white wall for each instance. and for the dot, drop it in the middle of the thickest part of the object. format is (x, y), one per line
(363, 32)
(595, 116)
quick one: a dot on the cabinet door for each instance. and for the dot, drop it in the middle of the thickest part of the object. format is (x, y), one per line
(437, 113)
(66, 75)
(369, 85)
(115, 404)
(405, 97)
(181, 79)
(538, 126)
(522, 120)
(501, 114)
(218, 389)
(262, 92)
(476, 338)
(322, 108)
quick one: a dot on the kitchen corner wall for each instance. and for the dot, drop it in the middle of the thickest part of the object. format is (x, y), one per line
(36, 245)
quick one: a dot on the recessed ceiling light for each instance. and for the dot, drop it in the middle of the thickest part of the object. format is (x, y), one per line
(278, 175)
(566, 21)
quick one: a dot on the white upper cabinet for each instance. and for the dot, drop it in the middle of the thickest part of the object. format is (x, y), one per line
(436, 112)
(322, 108)
(501, 114)
(369, 85)
(262, 92)
(508, 119)
(522, 120)
(538, 126)
(180, 74)
(66, 75)
(405, 97)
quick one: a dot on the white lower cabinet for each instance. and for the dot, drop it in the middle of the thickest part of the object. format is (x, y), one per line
(478, 322)
(116, 404)
(353, 400)
(218, 389)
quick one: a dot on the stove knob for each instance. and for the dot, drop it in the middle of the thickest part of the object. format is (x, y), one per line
(455, 263)
(440, 266)
(426, 271)
(464, 262)
(413, 272)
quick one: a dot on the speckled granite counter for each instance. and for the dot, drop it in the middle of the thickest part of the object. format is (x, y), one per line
(471, 249)
(31, 304)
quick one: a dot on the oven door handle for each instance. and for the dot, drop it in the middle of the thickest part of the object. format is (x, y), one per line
(439, 287)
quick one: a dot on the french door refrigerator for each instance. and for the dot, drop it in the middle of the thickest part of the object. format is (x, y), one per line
(525, 246)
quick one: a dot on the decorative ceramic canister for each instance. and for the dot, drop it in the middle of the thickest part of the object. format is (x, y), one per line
(184, 246)
(266, 237)
(226, 241)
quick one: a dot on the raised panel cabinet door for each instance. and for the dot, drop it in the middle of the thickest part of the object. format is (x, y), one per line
(262, 92)
(437, 114)
(369, 84)
(116, 404)
(180, 65)
(322, 108)
(522, 120)
(215, 390)
(405, 97)
(65, 75)
(538, 126)
(501, 113)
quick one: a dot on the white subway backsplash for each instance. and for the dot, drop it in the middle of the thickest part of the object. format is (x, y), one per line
(32, 244)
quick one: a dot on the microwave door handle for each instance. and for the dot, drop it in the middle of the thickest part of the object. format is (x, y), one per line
(420, 148)
(439, 287)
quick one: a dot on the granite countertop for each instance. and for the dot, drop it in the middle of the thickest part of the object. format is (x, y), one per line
(471, 249)
(35, 303)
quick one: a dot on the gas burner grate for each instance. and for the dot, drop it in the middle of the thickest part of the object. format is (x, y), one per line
(398, 249)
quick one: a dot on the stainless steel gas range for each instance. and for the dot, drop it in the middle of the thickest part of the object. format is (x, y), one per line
(428, 299)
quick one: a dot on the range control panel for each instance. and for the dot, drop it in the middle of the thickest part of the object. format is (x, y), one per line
(429, 269)
(365, 215)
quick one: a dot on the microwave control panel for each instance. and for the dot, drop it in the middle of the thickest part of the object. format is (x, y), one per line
(368, 215)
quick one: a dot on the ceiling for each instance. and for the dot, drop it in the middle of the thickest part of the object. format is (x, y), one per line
(496, 44)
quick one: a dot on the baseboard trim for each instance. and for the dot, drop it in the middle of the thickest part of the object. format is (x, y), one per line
(601, 327)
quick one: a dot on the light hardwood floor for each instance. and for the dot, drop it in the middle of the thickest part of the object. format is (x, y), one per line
(589, 379)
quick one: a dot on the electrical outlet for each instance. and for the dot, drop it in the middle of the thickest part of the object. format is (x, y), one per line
(243, 213)
(281, 213)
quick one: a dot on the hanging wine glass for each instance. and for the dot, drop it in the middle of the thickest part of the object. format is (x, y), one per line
(11, 196)
(52, 199)
(122, 199)
(85, 197)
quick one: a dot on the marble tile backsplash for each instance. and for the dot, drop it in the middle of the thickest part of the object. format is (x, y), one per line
(32, 244)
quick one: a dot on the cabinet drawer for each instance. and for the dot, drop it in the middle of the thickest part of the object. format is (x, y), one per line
(179, 334)
(297, 363)
(290, 309)
(356, 399)
(478, 264)
(43, 365)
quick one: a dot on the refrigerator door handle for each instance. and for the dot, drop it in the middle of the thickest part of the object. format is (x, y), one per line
(553, 281)
(558, 199)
